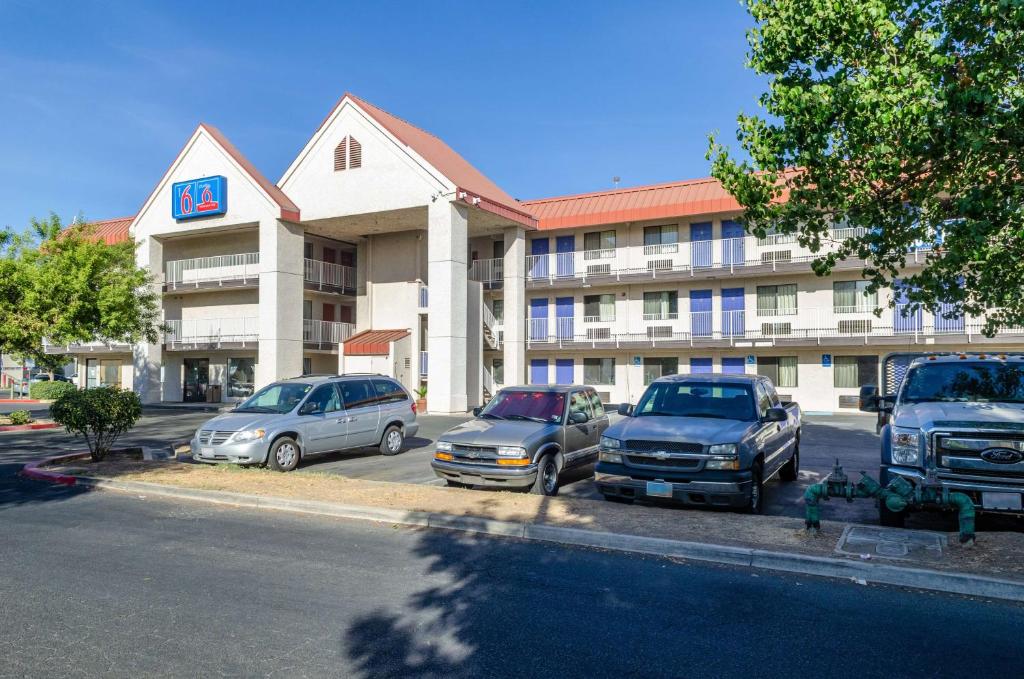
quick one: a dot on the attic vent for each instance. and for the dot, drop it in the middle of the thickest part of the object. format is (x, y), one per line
(348, 155)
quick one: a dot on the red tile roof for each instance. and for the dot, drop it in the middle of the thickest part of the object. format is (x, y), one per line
(373, 342)
(110, 231)
(457, 169)
(289, 210)
(675, 199)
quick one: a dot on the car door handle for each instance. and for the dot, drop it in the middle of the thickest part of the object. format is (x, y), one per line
(345, 419)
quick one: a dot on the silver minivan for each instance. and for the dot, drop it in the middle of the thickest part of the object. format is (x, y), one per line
(293, 419)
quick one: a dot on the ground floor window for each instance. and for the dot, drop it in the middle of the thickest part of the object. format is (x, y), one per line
(102, 372)
(241, 377)
(659, 367)
(855, 371)
(307, 366)
(781, 370)
(498, 371)
(599, 371)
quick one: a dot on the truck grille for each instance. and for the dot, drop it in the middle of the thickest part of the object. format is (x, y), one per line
(681, 463)
(981, 453)
(643, 445)
(214, 437)
(471, 450)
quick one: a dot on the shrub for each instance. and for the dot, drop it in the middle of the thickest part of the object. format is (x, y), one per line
(20, 417)
(100, 415)
(49, 391)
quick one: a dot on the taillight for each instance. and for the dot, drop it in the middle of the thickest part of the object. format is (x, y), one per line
(414, 407)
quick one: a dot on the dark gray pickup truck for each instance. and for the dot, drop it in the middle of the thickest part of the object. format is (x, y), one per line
(710, 440)
(525, 438)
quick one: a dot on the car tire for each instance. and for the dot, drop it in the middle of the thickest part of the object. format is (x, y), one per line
(547, 477)
(392, 441)
(791, 469)
(284, 454)
(889, 518)
(755, 503)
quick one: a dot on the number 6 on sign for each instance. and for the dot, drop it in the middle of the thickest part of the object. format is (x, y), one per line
(211, 192)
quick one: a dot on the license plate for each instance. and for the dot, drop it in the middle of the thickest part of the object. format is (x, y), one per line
(206, 452)
(1010, 501)
(659, 489)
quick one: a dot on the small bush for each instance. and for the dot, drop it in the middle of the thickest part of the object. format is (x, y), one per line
(20, 417)
(99, 415)
(49, 391)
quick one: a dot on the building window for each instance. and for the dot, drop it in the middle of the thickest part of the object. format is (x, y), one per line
(498, 308)
(241, 377)
(661, 235)
(348, 155)
(307, 250)
(307, 309)
(776, 300)
(599, 244)
(599, 308)
(852, 372)
(852, 297)
(599, 370)
(307, 366)
(659, 367)
(498, 371)
(661, 306)
(781, 370)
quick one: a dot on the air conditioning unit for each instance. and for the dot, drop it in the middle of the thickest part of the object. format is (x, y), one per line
(775, 329)
(776, 256)
(659, 331)
(855, 326)
(659, 264)
(598, 269)
(599, 333)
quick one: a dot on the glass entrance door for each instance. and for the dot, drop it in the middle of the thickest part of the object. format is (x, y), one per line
(197, 379)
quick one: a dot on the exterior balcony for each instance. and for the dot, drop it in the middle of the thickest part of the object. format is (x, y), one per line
(212, 273)
(787, 327)
(709, 259)
(329, 277)
(211, 333)
(325, 335)
(490, 272)
(95, 347)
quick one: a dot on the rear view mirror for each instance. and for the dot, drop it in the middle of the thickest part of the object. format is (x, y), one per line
(625, 409)
(578, 418)
(308, 408)
(477, 411)
(869, 398)
(776, 415)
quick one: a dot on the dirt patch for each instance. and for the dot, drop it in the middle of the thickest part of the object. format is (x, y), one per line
(996, 554)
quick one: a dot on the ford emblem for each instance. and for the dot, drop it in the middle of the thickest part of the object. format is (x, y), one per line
(1001, 455)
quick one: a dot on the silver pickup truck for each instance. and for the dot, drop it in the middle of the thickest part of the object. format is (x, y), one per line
(708, 440)
(955, 421)
(526, 438)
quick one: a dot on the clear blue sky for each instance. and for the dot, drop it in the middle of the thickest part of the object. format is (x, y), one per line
(546, 98)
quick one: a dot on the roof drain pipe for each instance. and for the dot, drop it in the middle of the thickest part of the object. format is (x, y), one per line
(898, 496)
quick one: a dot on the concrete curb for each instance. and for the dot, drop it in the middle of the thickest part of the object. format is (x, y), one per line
(28, 427)
(802, 564)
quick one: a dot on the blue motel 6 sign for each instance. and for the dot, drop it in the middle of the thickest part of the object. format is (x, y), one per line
(199, 197)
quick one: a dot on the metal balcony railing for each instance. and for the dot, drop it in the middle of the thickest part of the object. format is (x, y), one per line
(325, 274)
(487, 270)
(215, 269)
(212, 331)
(424, 297)
(326, 333)
(423, 364)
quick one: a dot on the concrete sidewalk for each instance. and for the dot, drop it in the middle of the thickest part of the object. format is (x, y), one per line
(992, 569)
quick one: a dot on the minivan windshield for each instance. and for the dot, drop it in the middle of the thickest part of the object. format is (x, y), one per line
(536, 406)
(697, 399)
(275, 398)
(960, 382)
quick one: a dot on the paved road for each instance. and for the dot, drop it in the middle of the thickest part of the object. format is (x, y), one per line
(117, 585)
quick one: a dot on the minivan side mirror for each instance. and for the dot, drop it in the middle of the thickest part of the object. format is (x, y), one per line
(776, 415)
(308, 408)
(578, 417)
(869, 399)
(477, 411)
(625, 409)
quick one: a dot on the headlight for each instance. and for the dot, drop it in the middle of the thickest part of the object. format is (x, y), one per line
(614, 458)
(610, 444)
(726, 449)
(905, 446)
(249, 435)
(444, 446)
(511, 451)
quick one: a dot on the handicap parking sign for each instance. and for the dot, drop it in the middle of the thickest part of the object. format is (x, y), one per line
(826, 360)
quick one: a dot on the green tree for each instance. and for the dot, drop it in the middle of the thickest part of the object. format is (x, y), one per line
(68, 286)
(99, 415)
(904, 117)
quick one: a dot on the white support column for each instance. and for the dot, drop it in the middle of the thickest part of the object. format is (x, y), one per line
(148, 358)
(514, 295)
(280, 310)
(447, 231)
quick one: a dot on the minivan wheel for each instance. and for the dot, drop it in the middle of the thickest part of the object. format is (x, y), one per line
(791, 469)
(755, 503)
(547, 477)
(392, 441)
(284, 455)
